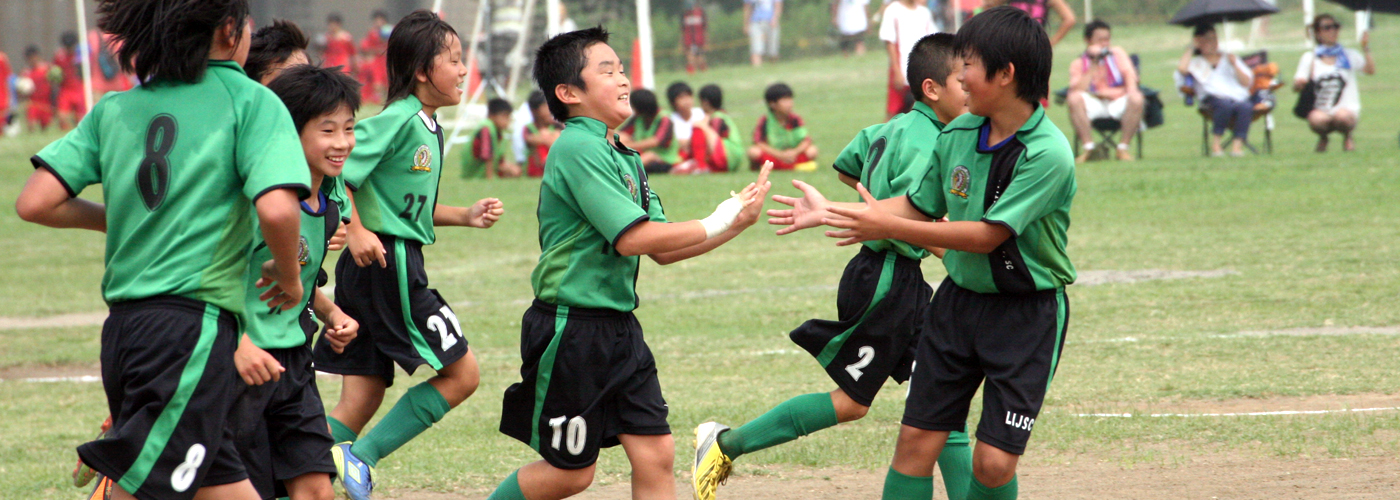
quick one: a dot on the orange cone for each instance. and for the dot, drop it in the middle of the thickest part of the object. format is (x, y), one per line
(473, 77)
(637, 64)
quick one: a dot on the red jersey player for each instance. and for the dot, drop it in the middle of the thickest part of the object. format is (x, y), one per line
(40, 113)
(339, 45)
(373, 67)
(71, 103)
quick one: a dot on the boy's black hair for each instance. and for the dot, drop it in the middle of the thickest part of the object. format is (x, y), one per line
(31, 51)
(776, 91)
(334, 17)
(1005, 36)
(168, 39)
(1202, 29)
(676, 90)
(711, 94)
(1093, 26)
(497, 106)
(417, 40)
(273, 45)
(561, 60)
(309, 92)
(930, 59)
(644, 103)
(536, 100)
(69, 40)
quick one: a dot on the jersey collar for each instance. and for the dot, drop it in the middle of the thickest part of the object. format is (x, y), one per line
(985, 129)
(928, 112)
(226, 63)
(591, 125)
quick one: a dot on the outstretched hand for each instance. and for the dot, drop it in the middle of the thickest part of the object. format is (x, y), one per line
(860, 224)
(485, 212)
(806, 212)
(753, 196)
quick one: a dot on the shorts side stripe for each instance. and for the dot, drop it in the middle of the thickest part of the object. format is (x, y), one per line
(419, 343)
(882, 287)
(1061, 312)
(170, 416)
(545, 371)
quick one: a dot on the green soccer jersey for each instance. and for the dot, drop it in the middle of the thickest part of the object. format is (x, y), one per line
(851, 160)
(733, 140)
(487, 151)
(180, 167)
(592, 193)
(282, 329)
(335, 190)
(668, 150)
(896, 160)
(1025, 183)
(394, 171)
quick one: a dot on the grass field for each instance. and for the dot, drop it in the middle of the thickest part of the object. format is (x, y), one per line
(1304, 246)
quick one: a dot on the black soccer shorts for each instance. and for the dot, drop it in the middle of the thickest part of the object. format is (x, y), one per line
(1012, 341)
(880, 303)
(587, 377)
(401, 319)
(281, 426)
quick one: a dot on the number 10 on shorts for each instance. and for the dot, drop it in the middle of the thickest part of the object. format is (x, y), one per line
(577, 433)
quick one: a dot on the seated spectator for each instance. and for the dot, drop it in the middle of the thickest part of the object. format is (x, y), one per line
(1103, 84)
(781, 136)
(1222, 81)
(717, 145)
(684, 114)
(539, 134)
(1332, 70)
(487, 157)
(652, 135)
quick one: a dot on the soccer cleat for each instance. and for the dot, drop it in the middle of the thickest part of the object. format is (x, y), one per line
(711, 467)
(82, 474)
(103, 491)
(355, 475)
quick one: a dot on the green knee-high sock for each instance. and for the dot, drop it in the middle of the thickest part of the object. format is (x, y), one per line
(789, 420)
(979, 491)
(508, 490)
(901, 487)
(340, 432)
(955, 463)
(418, 409)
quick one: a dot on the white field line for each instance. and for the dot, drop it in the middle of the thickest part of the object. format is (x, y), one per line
(82, 379)
(1325, 331)
(1242, 414)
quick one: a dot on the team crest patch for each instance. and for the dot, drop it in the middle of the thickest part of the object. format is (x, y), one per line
(961, 177)
(422, 160)
(631, 184)
(303, 251)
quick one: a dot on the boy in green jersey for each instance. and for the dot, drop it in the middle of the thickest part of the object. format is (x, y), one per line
(588, 379)
(781, 136)
(1004, 177)
(394, 172)
(650, 133)
(276, 47)
(284, 441)
(186, 161)
(489, 154)
(881, 300)
(722, 137)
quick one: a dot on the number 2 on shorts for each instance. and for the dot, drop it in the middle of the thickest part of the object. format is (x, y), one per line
(577, 433)
(867, 354)
(449, 337)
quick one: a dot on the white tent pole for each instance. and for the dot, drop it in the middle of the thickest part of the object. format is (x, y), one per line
(84, 53)
(1088, 11)
(644, 34)
(1307, 19)
(517, 54)
(551, 16)
(437, 6)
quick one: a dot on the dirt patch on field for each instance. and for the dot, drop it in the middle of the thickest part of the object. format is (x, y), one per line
(60, 321)
(1248, 406)
(1090, 278)
(50, 372)
(1233, 476)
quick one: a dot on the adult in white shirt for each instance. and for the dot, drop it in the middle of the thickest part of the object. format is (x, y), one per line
(1332, 69)
(903, 23)
(1222, 80)
(851, 21)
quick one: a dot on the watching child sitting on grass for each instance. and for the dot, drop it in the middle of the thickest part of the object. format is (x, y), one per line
(717, 145)
(652, 135)
(781, 136)
(488, 157)
(539, 134)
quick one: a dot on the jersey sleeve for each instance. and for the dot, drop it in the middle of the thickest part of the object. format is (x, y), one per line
(760, 131)
(73, 158)
(1041, 185)
(799, 129)
(851, 159)
(926, 195)
(888, 30)
(374, 139)
(481, 145)
(666, 132)
(1304, 65)
(269, 154)
(655, 212)
(603, 199)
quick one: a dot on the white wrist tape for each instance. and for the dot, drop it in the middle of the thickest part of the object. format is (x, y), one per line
(724, 216)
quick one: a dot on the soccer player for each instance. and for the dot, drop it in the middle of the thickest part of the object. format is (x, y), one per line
(588, 378)
(372, 66)
(539, 135)
(71, 103)
(781, 136)
(381, 281)
(881, 299)
(652, 135)
(40, 112)
(1004, 177)
(283, 437)
(728, 151)
(903, 23)
(275, 48)
(490, 155)
(186, 162)
(338, 45)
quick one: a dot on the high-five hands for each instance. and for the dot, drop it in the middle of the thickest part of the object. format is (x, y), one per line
(860, 224)
(806, 212)
(741, 209)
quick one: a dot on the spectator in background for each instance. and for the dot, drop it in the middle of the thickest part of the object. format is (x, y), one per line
(337, 45)
(902, 25)
(693, 29)
(487, 157)
(72, 105)
(851, 22)
(539, 134)
(1332, 70)
(717, 146)
(107, 75)
(1222, 81)
(761, 19)
(40, 113)
(652, 135)
(5, 107)
(1040, 11)
(507, 26)
(373, 65)
(781, 136)
(1103, 83)
(566, 23)
(684, 114)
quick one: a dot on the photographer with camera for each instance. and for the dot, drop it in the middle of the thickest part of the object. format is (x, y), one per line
(1103, 83)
